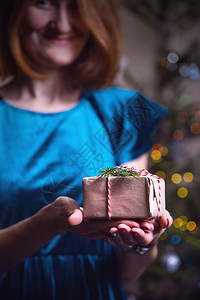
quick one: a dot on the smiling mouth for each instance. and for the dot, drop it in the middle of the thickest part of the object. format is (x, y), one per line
(59, 40)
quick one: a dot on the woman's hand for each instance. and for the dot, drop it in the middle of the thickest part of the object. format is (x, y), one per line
(65, 215)
(145, 233)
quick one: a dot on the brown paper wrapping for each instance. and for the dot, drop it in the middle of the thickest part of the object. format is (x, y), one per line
(130, 197)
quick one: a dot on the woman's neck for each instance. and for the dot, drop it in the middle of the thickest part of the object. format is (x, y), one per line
(51, 95)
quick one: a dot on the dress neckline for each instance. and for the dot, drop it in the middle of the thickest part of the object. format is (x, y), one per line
(66, 111)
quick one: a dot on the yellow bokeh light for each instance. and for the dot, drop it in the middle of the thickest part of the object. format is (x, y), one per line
(188, 177)
(176, 178)
(178, 135)
(156, 155)
(177, 223)
(191, 225)
(164, 151)
(161, 174)
(183, 226)
(183, 218)
(182, 192)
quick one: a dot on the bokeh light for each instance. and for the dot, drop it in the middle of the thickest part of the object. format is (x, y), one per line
(177, 222)
(156, 155)
(180, 222)
(183, 227)
(175, 239)
(193, 71)
(183, 116)
(182, 192)
(161, 174)
(156, 147)
(188, 177)
(163, 236)
(165, 63)
(178, 135)
(172, 58)
(197, 115)
(184, 70)
(164, 151)
(185, 100)
(191, 226)
(176, 178)
(195, 128)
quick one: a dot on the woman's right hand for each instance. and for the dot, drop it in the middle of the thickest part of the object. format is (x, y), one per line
(65, 215)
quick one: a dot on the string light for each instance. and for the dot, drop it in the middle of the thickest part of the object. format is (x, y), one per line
(183, 227)
(183, 70)
(185, 99)
(197, 115)
(188, 177)
(156, 147)
(161, 174)
(165, 63)
(183, 116)
(191, 226)
(175, 239)
(178, 135)
(195, 128)
(182, 192)
(156, 155)
(172, 58)
(177, 222)
(164, 151)
(176, 178)
(163, 236)
(180, 222)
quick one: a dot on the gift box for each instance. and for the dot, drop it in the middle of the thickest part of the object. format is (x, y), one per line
(137, 194)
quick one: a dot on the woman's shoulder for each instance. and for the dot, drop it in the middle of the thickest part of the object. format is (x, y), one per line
(114, 94)
(117, 99)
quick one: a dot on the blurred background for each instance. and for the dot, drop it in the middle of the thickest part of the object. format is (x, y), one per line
(161, 58)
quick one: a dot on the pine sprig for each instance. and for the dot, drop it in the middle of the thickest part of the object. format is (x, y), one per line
(114, 171)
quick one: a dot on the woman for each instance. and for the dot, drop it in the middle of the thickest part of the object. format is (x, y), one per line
(59, 123)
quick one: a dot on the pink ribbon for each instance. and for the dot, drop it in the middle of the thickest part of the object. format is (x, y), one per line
(141, 173)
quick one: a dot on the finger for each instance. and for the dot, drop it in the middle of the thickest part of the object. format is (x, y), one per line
(147, 226)
(109, 241)
(116, 237)
(165, 220)
(106, 225)
(76, 218)
(143, 238)
(130, 223)
(127, 237)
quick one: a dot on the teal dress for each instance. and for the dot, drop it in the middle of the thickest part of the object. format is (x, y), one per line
(46, 155)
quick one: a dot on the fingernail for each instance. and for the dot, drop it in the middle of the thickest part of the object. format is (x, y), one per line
(152, 227)
(114, 234)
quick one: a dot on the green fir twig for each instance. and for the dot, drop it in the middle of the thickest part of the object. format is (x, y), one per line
(114, 171)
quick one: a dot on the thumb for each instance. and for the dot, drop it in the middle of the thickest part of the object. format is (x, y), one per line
(75, 218)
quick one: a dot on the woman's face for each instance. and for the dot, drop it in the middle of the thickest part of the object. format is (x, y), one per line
(53, 33)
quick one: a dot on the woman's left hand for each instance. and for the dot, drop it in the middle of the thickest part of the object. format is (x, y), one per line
(145, 234)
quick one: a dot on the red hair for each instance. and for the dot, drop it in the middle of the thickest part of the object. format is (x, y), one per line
(98, 64)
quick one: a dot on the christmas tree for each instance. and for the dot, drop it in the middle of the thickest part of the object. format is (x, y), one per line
(175, 154)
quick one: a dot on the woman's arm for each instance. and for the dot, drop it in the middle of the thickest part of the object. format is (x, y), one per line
(63, 215)
(24, 238)
(146, 234)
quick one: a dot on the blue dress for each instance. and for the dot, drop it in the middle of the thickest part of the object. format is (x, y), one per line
(45, 155)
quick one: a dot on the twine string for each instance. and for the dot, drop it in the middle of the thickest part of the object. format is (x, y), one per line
(139, 172)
